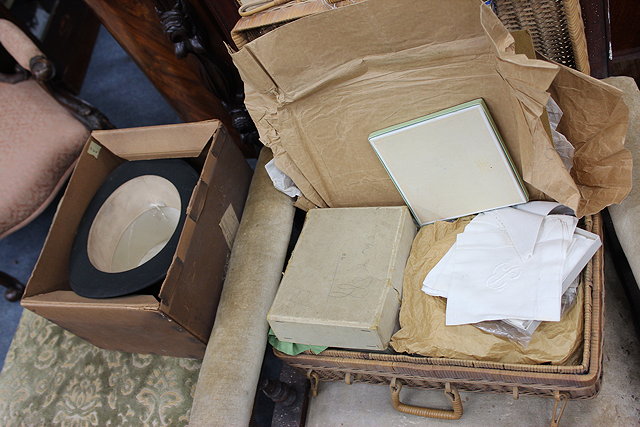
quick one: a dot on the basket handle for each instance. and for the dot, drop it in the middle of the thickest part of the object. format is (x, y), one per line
(452, 394)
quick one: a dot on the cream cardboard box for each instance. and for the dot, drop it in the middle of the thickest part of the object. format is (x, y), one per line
(343, 284)
(178, 321)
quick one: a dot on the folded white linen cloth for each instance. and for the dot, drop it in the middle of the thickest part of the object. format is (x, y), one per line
(508, 264)
(528, 327)
(525, 229)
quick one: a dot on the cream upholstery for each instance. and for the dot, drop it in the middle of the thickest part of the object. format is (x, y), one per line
(626, 215)
(19, 46)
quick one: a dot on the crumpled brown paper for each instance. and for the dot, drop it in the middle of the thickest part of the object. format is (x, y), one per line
(317, 87)
(595, 121)
(422, 317)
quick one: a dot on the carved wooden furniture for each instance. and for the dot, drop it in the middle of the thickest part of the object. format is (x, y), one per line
(57, 25)
(180, 45)
(612, 36)
(14, 287)
(42, 129)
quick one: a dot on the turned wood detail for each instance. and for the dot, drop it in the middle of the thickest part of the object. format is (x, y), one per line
(87, 114)
(19, 75)
(222, 79)
(44, 72)
(15, 288)
(41, 68)
(278, 391)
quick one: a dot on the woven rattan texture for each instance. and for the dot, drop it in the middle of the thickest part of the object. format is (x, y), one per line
(579, 381)
(477, 387)
(546, 21)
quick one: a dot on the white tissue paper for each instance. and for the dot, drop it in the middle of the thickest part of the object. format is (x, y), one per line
(561, 144)
(512, 263)
(281, 181)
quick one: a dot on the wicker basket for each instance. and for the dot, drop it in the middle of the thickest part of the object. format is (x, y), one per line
(558, 34)
(562, 382)
(555, 25)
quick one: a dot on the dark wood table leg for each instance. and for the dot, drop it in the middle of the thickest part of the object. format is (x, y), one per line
(291, 396)
(14, 287)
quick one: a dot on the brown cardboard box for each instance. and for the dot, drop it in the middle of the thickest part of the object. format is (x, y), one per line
(179, 320)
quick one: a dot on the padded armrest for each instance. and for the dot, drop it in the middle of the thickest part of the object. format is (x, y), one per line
(626, 215)
(18, 44)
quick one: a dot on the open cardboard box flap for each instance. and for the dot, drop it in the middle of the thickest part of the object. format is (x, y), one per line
(315, 99)
(158, 142)
(179, 320)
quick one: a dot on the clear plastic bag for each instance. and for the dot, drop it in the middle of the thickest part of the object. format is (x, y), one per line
(563, 147)
(521, 331)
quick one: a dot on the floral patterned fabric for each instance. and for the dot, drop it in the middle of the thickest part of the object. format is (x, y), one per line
(52, 377)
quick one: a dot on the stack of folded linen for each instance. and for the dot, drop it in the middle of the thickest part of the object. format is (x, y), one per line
(512, 264)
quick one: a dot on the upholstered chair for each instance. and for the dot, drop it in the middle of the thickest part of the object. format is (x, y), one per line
(42, 130)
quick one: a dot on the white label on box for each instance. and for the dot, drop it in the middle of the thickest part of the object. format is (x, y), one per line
(94, 149)
(229, 225)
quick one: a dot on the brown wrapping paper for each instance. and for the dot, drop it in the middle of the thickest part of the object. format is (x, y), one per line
(422, 317)
(595, 121)
(317, 87)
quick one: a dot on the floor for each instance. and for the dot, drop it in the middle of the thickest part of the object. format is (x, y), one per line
(116, 86)
(618, 403)
(18, 254)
